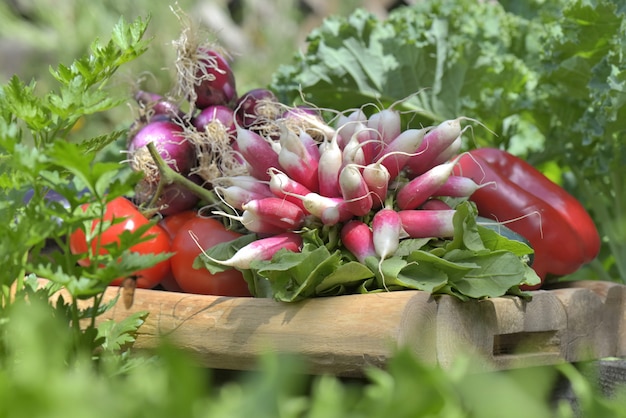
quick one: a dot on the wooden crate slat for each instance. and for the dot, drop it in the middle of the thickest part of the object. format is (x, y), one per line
(342, 335)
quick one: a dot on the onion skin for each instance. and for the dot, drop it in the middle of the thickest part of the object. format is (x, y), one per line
(214, 114)
(169, 140)
(217, 81)
(257, 107)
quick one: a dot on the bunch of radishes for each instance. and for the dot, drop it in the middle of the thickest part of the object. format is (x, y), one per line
(379, 183)
(278, 169)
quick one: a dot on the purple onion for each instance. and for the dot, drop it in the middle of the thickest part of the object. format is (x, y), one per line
(257, 107)
(170, 141)
(217, 85)
(157, 105)
(174, 198)
(216, 118)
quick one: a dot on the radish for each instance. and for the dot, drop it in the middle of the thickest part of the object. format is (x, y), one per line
(261, 249)
(316, 204)
(354, 190)
(387, 125)
(395, 155)
(376, 176)
(435, 204)
(296, 161)
(330, 163)
(307, 119)
(255, 223)
(357, 237)
(368, 139)
(276, 211)
(312, 145)
(459, 186)
(447, 154)
(421, 188)
(421, 223)
(170, 142)
(337, 213)
(346, 125)
(257, 152)
(386, 232)
(436, 141)
(285, 187)
(249, 183)
(237, 196)
(353, 152)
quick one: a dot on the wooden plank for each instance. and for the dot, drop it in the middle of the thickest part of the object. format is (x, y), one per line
(344, 334)
(504, 332)
(339, 335)
(596, 313)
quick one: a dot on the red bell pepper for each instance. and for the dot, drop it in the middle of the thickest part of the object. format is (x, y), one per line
(555, 223)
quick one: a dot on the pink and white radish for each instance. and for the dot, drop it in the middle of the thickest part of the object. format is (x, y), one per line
(247, 182)
(261, 249)
(285, 187)
(346, 125)
(386, 125)
(417, 191)
(377, 177)
(354, 190)
(258, 153)
(276, 211)
(435, 142)
(236, 196)
(387, 232)
(395, 155)
(330, 163)
(307, 119)
(296, 161)
(459, 186)
(335, 213)
(422, 223)
(357, 237)
(435, 204)
(353, 151)
(254, 223)
(449, 153)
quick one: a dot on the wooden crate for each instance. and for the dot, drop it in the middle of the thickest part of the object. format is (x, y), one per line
(341, 335)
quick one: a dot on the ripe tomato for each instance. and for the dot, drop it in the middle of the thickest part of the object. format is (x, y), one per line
(171, 224)
(159, 243)
(207, 232)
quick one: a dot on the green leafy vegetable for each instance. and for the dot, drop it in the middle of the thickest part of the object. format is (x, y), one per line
(464, 266)
(547, 77)
(36, 158)
(441, 59)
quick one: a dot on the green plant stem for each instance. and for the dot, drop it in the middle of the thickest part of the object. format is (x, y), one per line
(169, 176)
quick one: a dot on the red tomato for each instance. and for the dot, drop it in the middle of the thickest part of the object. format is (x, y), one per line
(171, 224)
(159, 243)
(207, 233)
